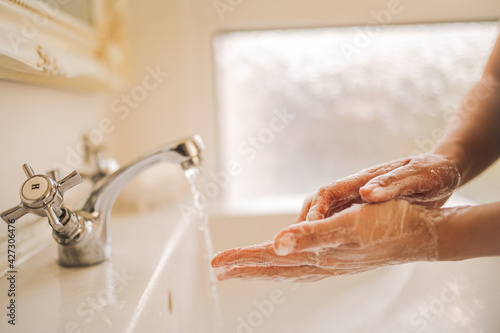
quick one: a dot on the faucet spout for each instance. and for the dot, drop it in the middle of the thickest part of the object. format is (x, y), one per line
(185, 152)
(94, 244)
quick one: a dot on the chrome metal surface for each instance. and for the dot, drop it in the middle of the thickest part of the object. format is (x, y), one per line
(97, 166)
(83, 234)
(43, 196)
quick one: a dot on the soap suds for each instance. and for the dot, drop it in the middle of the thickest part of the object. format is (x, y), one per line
(285, 244)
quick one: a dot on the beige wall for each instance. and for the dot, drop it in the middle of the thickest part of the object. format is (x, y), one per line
(38, 125)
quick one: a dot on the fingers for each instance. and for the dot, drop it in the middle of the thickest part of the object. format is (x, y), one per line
(304, 273)
(426, 178)
(332, 232)
(344, 257)
(262, 254)
(305, 208)
(344, 205)
(345, 192)
(399, 182)
(329, 198)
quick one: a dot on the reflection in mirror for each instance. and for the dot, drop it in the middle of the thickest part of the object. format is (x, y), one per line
(81, 9)
(77, 43)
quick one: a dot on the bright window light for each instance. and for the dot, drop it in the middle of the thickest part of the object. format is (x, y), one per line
(298, 109)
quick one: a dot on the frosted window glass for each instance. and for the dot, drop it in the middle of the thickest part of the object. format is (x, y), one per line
(387, 98)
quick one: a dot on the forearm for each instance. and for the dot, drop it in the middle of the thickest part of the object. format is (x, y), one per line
(472, 139)
(468, 232)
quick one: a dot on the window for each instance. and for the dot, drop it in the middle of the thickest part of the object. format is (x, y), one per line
(298, 109)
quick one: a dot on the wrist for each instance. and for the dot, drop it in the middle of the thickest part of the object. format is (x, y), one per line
(454, 153)
(450, 231)
(468, 232)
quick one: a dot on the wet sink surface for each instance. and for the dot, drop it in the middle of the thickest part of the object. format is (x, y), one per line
(154, 282)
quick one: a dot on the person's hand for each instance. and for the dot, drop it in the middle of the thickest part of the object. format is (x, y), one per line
(426, 179)
(360, 238)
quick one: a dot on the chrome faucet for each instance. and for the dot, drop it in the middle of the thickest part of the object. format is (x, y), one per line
(83, 235)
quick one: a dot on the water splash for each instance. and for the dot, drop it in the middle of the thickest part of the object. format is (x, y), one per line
(195, 178)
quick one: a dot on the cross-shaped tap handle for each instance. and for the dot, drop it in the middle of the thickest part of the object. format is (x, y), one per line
(42, 195)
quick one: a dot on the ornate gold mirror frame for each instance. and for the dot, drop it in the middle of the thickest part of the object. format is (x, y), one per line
(40, 42)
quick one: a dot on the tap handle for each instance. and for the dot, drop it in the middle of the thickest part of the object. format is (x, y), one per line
(43, 196)
(69, 181)
(11, 215)
(54, 174)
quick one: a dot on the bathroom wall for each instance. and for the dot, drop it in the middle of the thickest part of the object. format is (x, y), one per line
(42, 126)
(181, 104)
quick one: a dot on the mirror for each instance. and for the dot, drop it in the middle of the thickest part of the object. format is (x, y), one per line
(80, 9)
(66, 42)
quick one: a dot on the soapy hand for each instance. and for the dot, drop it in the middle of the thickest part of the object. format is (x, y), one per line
(357, 239)
(426, 179)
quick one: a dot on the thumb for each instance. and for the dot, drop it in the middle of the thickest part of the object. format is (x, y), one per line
(397, 183)
(309, 235)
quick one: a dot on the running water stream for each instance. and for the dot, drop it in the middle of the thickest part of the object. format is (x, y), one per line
(196, 179)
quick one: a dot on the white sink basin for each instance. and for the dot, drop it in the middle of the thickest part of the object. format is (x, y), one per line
(155, 282)
(423, 297)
